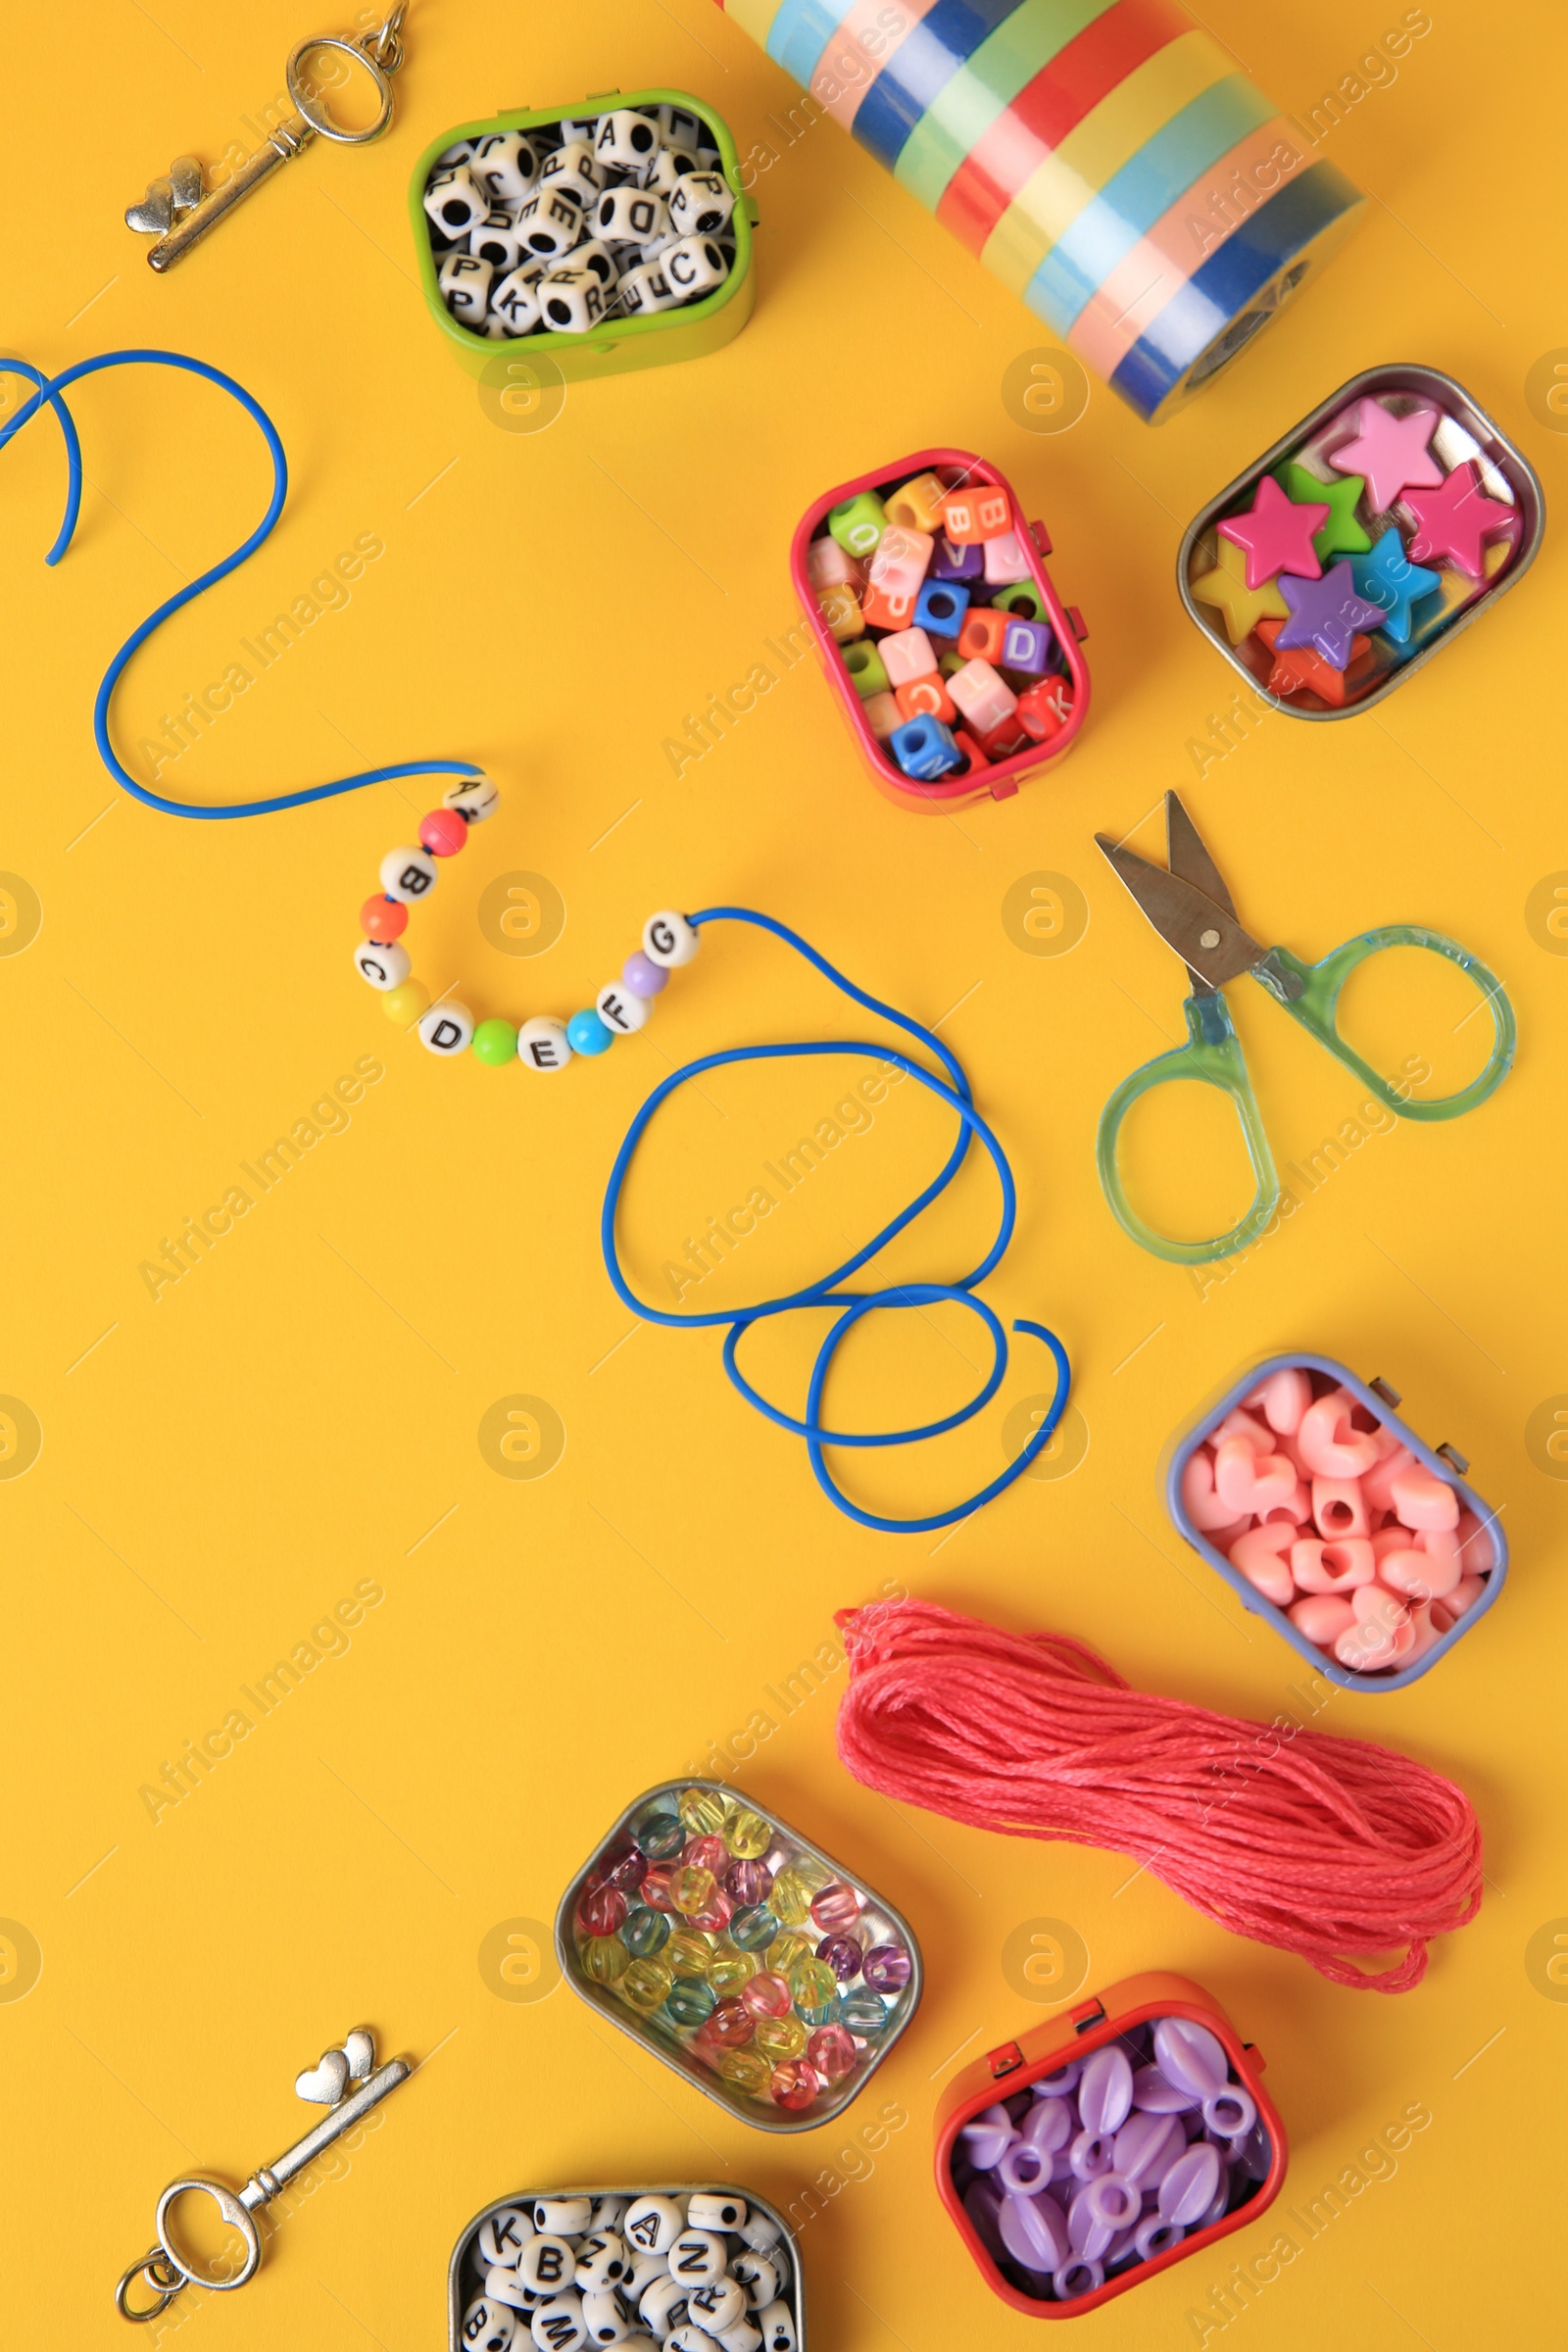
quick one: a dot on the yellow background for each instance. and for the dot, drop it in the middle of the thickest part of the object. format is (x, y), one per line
(222, 1466)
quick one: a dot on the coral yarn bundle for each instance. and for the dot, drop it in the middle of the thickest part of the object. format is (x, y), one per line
(1334, 1849)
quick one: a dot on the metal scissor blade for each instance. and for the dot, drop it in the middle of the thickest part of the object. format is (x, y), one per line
(1185, 856)
(1205, 934)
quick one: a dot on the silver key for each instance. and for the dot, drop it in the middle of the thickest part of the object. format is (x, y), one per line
(166, 2269)
(179, 214)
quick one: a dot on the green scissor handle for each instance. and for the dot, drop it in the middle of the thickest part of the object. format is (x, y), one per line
(1311, 993)
(1212, 1057)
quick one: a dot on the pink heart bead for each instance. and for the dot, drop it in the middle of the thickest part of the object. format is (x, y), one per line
(1466, 1593)
(1421, 1499)
(1329, 1445)
(1189, 2187)
(1261, 1555)
(1250, 1482)
(1282, 1400)
(1420, 1575)
(1298, 1510)
(1322, 1617)
(1189, 2054)
(1240, 1423)
(1106, 2090)
(1200, 1502)
(1382, 1633)
(1339, 1506)
(1478, 1553)
(1377, 1484)
(1320, 1567)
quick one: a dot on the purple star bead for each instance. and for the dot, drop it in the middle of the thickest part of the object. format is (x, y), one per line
(1326, 614)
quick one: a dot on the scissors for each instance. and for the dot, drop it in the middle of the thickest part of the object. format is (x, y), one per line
(1192, 909)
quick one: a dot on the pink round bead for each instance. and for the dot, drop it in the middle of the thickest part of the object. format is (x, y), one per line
(795, 2084)
(837, 1906)
(643, 976)
(831, 2050)
(443, 832)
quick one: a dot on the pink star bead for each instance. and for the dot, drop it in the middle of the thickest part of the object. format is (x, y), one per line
(1391, 451)
(1276, 535)
(1451, 521)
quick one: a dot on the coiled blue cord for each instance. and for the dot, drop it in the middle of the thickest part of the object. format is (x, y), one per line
(49, 391)
(826, 1292)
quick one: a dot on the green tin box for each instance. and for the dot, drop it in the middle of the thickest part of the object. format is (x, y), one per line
(617, 346)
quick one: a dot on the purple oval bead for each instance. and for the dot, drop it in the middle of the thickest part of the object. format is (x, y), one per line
(625, 1869)
(843, 1956)
(887, 1968)
(748, 1883)
(641, 975)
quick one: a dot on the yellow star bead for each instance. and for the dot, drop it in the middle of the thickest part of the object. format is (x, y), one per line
(1239, 608)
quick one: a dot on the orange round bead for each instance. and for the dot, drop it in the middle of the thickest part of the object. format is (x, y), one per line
(383, 918)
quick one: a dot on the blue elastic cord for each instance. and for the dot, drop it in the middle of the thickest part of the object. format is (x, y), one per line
(826, 1292)
(49, 390)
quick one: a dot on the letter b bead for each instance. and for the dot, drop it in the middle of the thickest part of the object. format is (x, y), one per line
(668, 938)
(407, 873)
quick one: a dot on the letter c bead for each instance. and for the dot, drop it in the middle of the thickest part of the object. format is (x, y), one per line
(668, 938)
(384, 964)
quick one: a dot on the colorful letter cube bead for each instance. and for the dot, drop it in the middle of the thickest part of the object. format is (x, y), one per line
(925, 747)
(971, 516)
(858, 523)
(940, 607)
(919, 504)
(985, 698)
(981, 635)
(865, 666)
(1026, 644)
(907, 654)
(751, 1988)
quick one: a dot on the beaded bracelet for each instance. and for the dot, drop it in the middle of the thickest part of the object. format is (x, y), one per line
(448, 1028)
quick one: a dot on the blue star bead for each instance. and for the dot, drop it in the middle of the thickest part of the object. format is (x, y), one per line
(1326, 614)
(1389, 578)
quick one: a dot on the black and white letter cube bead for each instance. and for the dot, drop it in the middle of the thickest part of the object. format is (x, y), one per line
(506, 165)
(626, 141)
(464, 282)
(551, 224)
(700, 204)
(571, 299)
(455, 202)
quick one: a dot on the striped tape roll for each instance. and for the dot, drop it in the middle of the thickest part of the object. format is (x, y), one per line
(1103, 157)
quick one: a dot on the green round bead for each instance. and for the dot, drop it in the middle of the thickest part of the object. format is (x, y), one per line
(862, 2012)
(645, 1933)
(495, 1041)
(659, 1833)
(691, 2001)
(811, 1983)
(753, 1926)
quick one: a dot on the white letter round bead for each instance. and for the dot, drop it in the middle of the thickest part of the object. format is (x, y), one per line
(663, 2305)
(446, 1029)
(557, 2326)
(504, 2234)
(742, 2338)
(505, 2285)
(609, 2213)
(718, 2304)
(410, 874)
(543, 1045)
(564, 2216)
(605, 2315)
(760, 2229)
(668, 939)
(621, 1009)
(653, 2223)
(384, 964)
(648, 2267)
(474, 798)
(601, 2260)
(759, 2275)
(697, 2256)
(705, 2211)
(778, 2329)
(689, 2338)
(488, 2326)
(547, 2263)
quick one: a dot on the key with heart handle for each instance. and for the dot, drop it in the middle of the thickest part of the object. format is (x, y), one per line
(166, 2269)
(176, 210)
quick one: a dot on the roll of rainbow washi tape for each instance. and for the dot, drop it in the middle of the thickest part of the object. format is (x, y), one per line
(1103, 157)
